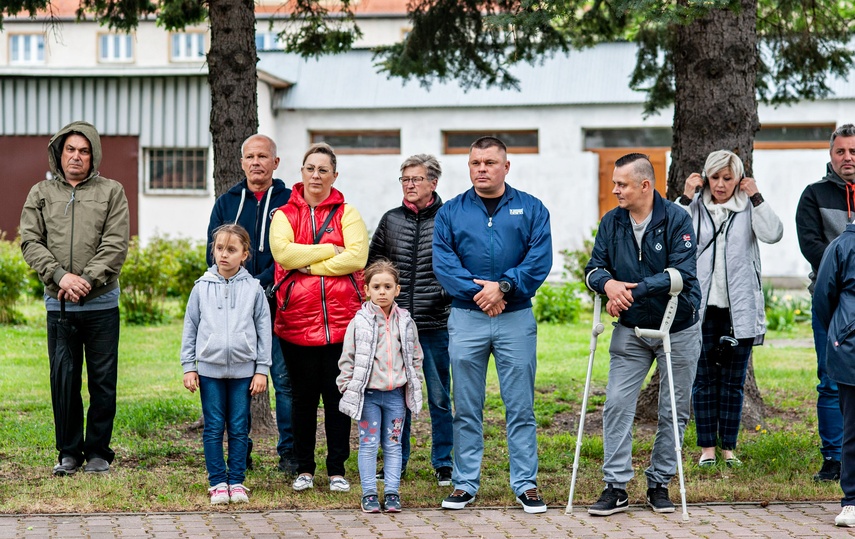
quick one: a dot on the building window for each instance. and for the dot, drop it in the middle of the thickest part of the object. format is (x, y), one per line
(188, 47)
(27, 49)
(635, 137)
(268, 41)
(115, 48)
(366, 142)
(793, 137)
(177, 170)
(517, 141)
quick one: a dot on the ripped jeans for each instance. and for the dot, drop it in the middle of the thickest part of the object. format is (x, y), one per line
(382, 422)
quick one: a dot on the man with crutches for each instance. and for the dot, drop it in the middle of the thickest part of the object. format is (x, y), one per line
(635, 244)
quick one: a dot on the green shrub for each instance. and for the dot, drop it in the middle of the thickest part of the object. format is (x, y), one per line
(576, 260)
(14, 280)
(559, 304)
(190, 262)
(146, 277)
(783, 312)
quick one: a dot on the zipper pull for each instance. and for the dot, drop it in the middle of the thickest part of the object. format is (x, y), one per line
(639, 254)
(71, 200)
(490, 222)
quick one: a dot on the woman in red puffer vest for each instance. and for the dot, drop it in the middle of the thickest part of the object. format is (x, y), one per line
(320, 245)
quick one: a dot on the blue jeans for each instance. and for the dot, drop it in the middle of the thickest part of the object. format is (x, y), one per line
(828, 417)
(381, 424)
(512, 339)
(282, 386)
(225, 406)
(436, 368)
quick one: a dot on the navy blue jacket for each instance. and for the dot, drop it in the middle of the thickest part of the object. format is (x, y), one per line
(254, 219)
(515, 244)
(668, 242)
(834, 306)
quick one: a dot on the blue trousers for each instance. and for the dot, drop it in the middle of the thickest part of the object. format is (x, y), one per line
(828, 417)
(282, 386)
(381, 424)
(225, 407)
(847, 462)
(512, 339)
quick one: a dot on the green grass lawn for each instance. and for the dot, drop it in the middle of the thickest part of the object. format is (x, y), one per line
(160, 466)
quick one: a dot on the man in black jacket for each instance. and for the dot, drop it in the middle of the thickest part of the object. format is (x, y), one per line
(251, 204)
(635, 243)
(824, 210)
(404, 236)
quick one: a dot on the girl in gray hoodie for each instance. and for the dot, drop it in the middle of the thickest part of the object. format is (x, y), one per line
(225, 353)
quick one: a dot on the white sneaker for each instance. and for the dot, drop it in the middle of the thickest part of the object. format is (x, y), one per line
(303, 482)
(219, 494)
(846, 517)
(238, 493)
(339, 484)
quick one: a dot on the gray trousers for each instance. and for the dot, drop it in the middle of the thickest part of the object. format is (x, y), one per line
(631, 359)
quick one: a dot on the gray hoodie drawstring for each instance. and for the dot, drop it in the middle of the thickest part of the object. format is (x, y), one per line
(69, 202)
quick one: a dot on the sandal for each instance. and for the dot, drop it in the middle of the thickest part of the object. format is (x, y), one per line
(707, 462)
(733, 462)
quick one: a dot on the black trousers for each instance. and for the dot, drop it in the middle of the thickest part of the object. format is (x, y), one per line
(847, 457)
(313, 370)
(94, 337)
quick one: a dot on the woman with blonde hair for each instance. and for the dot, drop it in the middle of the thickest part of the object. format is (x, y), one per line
(729, 216)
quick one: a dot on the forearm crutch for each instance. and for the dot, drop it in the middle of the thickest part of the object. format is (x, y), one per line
(663, 333)
(596, 330)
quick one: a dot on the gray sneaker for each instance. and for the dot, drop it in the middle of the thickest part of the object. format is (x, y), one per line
(67, 466)
(96, 465)
(392, 503)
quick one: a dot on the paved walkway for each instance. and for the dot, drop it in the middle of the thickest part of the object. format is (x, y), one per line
(796, 520)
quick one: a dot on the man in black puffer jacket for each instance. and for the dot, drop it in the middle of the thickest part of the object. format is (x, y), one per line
(404, 236)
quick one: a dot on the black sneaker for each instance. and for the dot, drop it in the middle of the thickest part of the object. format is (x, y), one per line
(380, 477)
(612, 500)
(531, 501)
(370, 504)
(392, 503)
(830, 471)
(458, 499)
(443, 476)
(657, 498)
(68, 466)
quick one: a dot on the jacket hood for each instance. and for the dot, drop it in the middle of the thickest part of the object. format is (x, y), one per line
(336, 196)
(278, 185)
(55, 148)
(832, 177)
(212, 276)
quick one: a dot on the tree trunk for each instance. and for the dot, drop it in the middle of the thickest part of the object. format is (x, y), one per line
(233, 80)
(715, 69)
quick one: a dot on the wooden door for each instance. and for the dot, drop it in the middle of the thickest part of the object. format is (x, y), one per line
(608, 156)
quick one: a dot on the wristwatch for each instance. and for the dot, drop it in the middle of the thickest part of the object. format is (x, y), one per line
(505, 286)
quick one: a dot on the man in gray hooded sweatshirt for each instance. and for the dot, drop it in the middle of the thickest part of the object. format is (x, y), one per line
(74, 234)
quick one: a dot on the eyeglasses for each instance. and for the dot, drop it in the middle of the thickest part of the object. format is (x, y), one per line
(322, 171)
(414, 179)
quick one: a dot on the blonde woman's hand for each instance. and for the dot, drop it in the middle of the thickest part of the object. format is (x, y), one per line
(748, 186)
(191, 381)
(694, 182)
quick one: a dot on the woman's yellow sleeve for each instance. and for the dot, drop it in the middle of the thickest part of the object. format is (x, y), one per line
(292, 255)
(355, 253)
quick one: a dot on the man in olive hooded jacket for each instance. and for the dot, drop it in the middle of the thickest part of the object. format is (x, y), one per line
(74, 234)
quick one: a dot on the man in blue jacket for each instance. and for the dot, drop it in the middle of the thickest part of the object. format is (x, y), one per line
(251, 204)
(492, 249)
(834, 309)
(635, 243)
